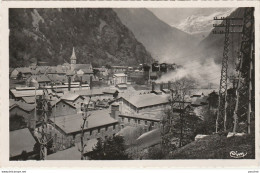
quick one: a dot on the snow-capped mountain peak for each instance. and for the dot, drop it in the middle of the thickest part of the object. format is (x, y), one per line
(202, 23)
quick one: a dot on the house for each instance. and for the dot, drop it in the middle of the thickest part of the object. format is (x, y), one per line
(145, 104)
(24, 110)
(21, 145)
(100, 124)
(62, 108)
(132, 104)
(42, 80)
(119, 78)
(147, 121)
(24, 71)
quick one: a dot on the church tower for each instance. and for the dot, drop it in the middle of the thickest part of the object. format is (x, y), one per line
(73, 58)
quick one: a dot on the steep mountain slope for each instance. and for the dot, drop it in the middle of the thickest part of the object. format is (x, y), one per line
(213, 45)
(163, 41)
(48, 35)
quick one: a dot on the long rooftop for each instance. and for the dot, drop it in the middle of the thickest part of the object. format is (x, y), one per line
(145, 100)
(72, 123)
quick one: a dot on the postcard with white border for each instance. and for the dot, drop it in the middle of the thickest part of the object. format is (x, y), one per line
(123, 84)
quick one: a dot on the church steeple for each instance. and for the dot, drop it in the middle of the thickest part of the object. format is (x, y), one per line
(73, 57)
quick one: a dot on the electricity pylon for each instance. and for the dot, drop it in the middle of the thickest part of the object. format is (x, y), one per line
(245, 86)
(222, 114)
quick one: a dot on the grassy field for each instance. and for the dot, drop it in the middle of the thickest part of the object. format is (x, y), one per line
(217, 147)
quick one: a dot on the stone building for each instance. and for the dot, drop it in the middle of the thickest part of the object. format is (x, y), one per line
(62, 108)
(100, 125)
(142, 103)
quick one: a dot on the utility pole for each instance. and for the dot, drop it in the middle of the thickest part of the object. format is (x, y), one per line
(222, 114)
(44, 119)
(85, 115)
(245, 88)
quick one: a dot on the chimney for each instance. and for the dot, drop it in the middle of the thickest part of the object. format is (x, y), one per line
(153, 86)
(90, 82)
(114, 111)
(69, 80)
(80, 80)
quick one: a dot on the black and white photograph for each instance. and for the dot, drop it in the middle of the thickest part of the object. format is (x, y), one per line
(132, 83)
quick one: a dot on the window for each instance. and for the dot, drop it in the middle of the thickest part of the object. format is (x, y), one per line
(135, 120)
(114, 127)
(90, 132)
(129, 120)
(139, 121)
(98, 130)
(106, 128)
(63, 106)
(123, 118)
(145, 122)
(152, 123)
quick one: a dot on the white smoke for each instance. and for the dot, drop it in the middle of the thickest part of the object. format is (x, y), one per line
(205, 73)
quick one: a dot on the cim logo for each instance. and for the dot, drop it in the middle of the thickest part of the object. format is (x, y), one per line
(237, 155)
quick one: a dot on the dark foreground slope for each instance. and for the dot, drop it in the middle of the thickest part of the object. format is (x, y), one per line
(217, 147)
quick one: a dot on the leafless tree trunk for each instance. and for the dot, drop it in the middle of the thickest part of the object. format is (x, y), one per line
(85, 116)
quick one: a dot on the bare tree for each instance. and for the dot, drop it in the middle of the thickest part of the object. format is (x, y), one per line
(182, 89)
(85, 115)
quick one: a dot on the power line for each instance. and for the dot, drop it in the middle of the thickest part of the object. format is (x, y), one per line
(222, 114)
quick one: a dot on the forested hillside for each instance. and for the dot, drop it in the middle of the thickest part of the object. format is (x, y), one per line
(48, 35)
